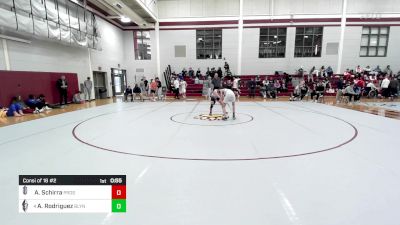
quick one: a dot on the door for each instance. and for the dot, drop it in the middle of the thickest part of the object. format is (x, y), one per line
(118, 78)
(99, 82)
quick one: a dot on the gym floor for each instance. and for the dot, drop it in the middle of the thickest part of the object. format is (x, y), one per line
(279, 162)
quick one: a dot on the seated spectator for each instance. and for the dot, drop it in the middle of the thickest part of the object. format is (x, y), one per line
(77, 98)
(15, 108)
(219, 72)
(349, 91)
(303, 90)
(318, 91)
(34, 104)
(296, 94)
(283, 86)
(367, 70)
(184, 72)
(128, 92)
(371, 90)
(300, 71)
(137, 92)
(42, 101)
(271, 90)
(25, 108)
(377, 70)
(277, 85)
(263, 88)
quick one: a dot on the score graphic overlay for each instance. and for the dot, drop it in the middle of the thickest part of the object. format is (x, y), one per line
(72, 193)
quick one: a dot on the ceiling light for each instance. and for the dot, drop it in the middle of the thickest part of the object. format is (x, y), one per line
(125, 19)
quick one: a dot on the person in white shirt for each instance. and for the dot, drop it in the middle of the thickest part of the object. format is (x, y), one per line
(227, 96)
(235, 87)
(385, 87)
(176, 88)
(182, 88)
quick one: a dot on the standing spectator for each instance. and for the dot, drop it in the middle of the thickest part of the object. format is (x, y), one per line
(329, 71)
(323, 71)
(153, 89)
(142, 86)
(393, 87)
(146, 86)
(176, 88)
(359, 70)
(251, 85)
(191, 72)
(385, 87)
(182, 88)
(62, 86)
(207, 87)
(159, 88)
(198, 73)
(216, 82)
(219, 71)
(226, 67)
(388, 71)
(87, 86)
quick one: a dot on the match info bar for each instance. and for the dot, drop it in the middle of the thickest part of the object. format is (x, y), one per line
(72, 193)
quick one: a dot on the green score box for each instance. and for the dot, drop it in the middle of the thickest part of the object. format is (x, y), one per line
(119, 205)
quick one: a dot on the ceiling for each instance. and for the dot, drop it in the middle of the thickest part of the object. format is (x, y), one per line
(139, 16)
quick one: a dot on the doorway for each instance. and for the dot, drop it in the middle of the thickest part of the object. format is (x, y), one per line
(99, 81)
(118, 80)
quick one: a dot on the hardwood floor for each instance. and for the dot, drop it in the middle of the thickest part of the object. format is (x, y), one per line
(379, 111)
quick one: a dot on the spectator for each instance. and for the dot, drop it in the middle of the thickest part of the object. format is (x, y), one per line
(226, 67)
(296, 94)
(251, 85)
(393, 87)
(263, 88)
(207, 87)
(77, 98)
(142, 86)
(191, 72)
(146, 86)
(184, 72)
(377, 70)
(136, 91)
(159, 88)
(385, 87)
(153, 89)
(277, 85)
(216, 82)
(323, 71)
(208, 72)
(388, 71)
(87, 87)
(34, 104)
(367, 70)
(303, 90)
(176, 88)
(182, 88)
(62, 86)
(128, 92)
(15, 109)
(359, 70)
(219, 71)
(42, 101)
(25, 108)
(271, 90)
(236, 86)
(198, 73)
(349, 91)
(329, 71)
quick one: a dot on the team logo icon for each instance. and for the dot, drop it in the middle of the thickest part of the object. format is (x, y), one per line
(25, 190)
(24, 205)
(212, 117)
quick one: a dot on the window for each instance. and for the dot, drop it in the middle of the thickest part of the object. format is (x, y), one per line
(308, 42)
(209, 44)
(374, 41)
(272, 43)
(142, 45)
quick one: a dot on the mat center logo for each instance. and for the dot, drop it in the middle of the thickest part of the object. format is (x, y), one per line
(209, 117)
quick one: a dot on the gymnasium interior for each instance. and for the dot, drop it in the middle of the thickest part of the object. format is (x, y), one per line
(199, 112)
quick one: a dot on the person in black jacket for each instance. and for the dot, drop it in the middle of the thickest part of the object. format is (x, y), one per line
(251, 84)
(62, 86)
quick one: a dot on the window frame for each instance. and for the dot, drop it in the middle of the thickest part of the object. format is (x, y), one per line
(138, 40)
(271, 52)
(313, 34)
(379, 35)
(215, 45)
